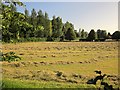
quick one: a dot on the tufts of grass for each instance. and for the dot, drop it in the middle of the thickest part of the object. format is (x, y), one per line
(74, 61)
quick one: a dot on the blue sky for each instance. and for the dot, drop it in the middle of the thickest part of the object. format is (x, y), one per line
(84, 15)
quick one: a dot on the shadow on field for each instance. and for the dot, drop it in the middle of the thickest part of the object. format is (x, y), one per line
(101, 77)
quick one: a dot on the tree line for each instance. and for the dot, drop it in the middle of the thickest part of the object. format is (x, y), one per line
(99, 35)
(37, 26)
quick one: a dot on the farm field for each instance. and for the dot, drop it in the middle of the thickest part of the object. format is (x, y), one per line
(60, 64)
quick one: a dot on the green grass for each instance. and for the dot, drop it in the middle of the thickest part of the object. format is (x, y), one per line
(16, 83)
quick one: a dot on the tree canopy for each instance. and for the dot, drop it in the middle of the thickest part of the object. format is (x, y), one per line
(17, 26)
(91, 35)
(70, 34)
(116, 35)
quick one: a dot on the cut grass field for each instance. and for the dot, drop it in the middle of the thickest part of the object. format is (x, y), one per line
(42, 62)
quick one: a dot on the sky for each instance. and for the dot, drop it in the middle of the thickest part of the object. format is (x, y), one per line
(84, 15)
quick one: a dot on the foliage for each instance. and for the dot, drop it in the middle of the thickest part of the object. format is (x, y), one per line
(50, 38)
(31, 39)
(10, 56)
(83, 34)
(91, 35)
(16, 26)
(19, 26)
(70, 34)
(57, 27)
(39, 31)
(101, 78)
(101, 34)
(116, 35)
(77, 34)
(12, 21)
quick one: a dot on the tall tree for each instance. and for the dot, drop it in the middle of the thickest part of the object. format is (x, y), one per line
(82, 34)
(59, 27)
(70, 34)
(116, 35)
(27, 18)
(104, 34)
(85, 34)
(33, 17)
(101, 34)
(46, 25)
(40, 18)
(98, 33)
(26, 12)
(46, 15)
(33, 21)
(54, 27)
(91, 35)
(67, 25)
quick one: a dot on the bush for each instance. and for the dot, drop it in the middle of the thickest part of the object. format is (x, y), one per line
(32, 39)
(10, 56)
(50, 39)
(53, 39)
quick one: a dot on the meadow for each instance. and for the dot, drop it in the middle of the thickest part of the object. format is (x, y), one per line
(59, 64)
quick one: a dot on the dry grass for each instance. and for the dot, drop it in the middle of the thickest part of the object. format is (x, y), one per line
(76, 60)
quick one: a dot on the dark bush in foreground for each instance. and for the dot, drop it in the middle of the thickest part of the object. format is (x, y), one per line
(10, 56)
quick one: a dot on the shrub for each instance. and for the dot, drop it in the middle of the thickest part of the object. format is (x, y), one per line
(10, 56)
(50, 39)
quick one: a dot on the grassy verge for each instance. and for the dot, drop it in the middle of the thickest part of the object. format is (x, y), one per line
(16, 83)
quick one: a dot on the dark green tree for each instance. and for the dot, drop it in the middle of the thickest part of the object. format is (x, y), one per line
(57, 26)
(116, 35)
(85, 34)
(70, 34)
(46, 25)
(26, 12)
(33, 21)
(104, 34)
(67, 25)
(91, 35)
(33, 17)
(54, 27)
(101, 34)
(82, 34)
(40, 18)
(27, 18)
